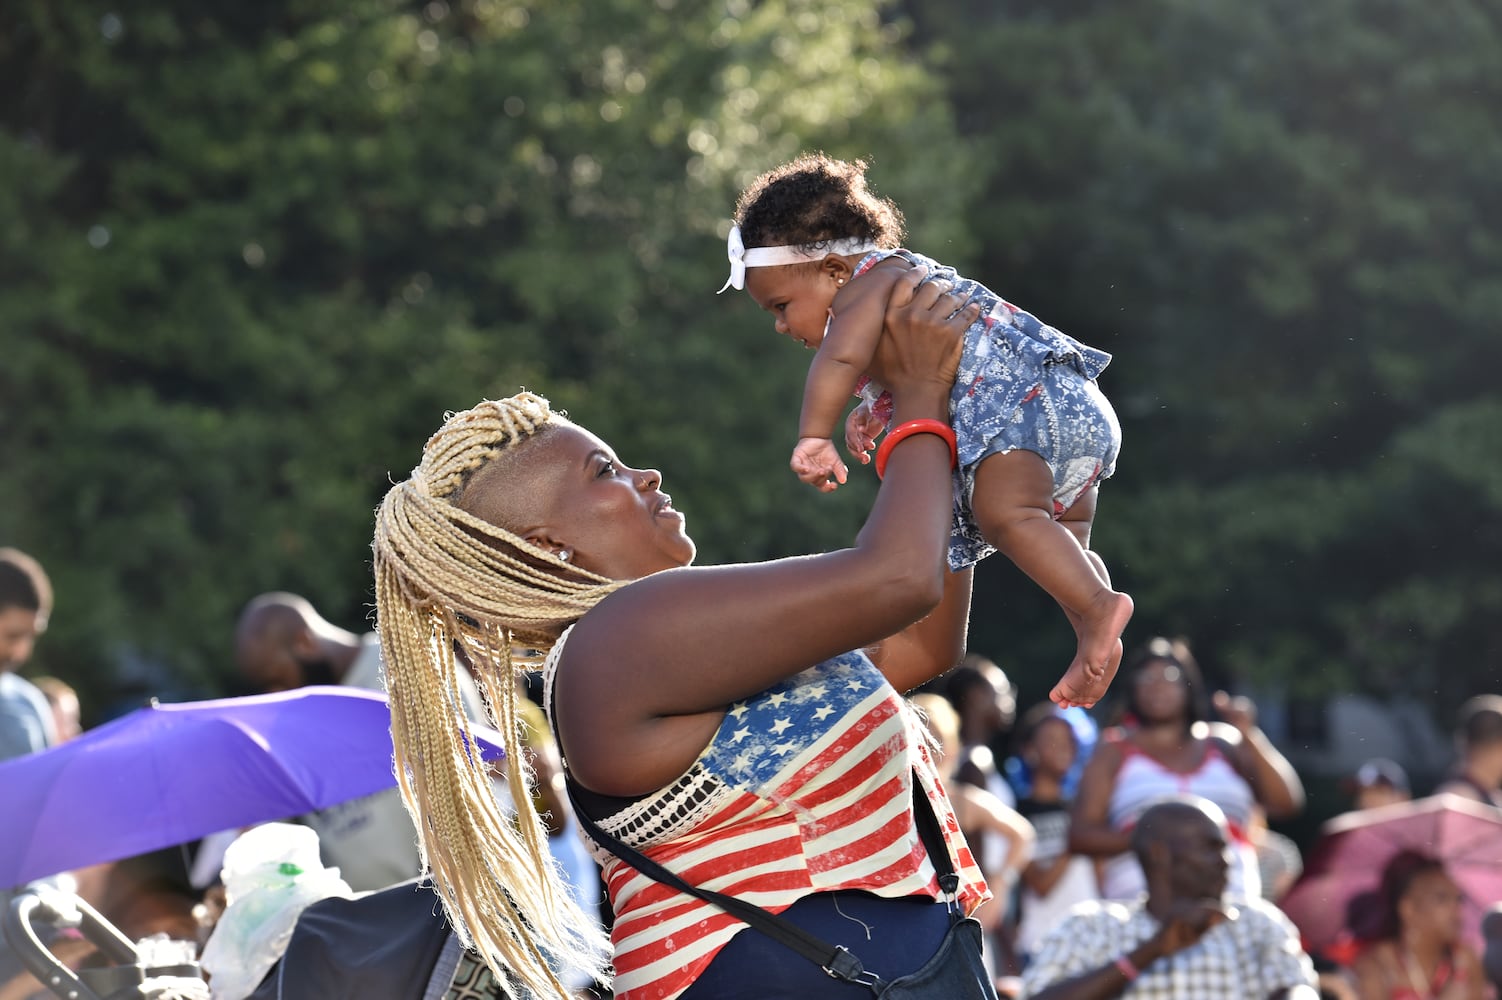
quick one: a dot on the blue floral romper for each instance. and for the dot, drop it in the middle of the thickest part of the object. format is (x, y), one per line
(1022, 385)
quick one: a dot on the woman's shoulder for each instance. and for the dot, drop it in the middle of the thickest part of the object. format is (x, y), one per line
(1231, 748)
(1373, 957)
(550, 672)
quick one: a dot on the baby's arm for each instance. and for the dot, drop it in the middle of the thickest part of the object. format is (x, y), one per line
(855, 327)
(817, 463)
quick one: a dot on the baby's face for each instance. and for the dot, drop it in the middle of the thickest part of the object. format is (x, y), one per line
(797, 295)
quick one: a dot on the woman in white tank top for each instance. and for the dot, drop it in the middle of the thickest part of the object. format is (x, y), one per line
(1166, 748)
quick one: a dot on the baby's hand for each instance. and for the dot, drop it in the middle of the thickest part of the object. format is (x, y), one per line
(861, 429)
(818, 464)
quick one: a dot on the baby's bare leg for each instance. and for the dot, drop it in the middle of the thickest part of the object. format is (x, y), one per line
(1013, 504)
(1079, 519)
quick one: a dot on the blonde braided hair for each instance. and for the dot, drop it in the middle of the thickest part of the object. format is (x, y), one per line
(445, 579)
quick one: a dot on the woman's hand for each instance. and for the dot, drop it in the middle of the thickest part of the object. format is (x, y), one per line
(925, 326)
(1239, 712)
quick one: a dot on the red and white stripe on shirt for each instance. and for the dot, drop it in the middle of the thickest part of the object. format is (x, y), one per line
(806, 787)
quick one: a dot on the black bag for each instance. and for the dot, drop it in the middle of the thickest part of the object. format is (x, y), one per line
(393, 944)
(955, 972)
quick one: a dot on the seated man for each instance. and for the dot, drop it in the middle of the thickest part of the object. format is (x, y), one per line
(1181, 941)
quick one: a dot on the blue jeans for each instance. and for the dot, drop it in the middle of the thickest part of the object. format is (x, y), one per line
(891, 937)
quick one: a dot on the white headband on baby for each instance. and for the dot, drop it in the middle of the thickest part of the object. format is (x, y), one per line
(741, 258)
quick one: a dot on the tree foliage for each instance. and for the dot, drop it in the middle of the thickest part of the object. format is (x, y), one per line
(1271, 213)
(252, 255)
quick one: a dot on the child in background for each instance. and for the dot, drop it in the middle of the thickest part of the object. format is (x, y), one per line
(817, 249)
(1055, 879)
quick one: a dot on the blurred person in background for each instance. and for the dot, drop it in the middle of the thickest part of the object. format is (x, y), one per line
(1478, 736)
(1379, 782)
(1056, 878)
(985, 700)
(1185, 938)
(282, 643)
(981, 814)
(63, 700)
(26, 723)
(1166, 748)
(1415, 951)
(1491, 957)
(1279, 860)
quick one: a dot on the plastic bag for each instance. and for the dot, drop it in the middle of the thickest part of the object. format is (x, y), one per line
(271, 873)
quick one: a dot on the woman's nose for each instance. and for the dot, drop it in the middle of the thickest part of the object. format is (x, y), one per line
(648, 479)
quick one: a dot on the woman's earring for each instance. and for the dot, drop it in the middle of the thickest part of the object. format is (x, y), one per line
(839, 281)
(564, 554)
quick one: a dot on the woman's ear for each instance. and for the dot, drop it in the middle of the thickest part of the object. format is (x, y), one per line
(545, 541)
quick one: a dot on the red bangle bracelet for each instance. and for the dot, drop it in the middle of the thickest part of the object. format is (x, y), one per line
(907, 430)
(1126, 968)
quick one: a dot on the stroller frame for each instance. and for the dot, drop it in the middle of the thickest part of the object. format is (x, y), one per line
(124, 980)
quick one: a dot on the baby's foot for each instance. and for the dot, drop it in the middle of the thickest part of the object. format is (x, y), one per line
(1083, 685)
(1099, 651)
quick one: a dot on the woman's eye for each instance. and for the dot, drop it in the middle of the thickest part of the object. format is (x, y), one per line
(607, 468)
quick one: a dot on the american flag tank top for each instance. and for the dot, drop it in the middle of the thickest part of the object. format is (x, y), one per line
(806, 787)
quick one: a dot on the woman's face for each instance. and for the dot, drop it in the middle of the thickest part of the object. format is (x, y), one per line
(1432, 907)
(1161, 692)
(565, 490)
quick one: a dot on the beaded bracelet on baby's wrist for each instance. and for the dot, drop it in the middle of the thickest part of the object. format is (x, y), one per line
(903, 431)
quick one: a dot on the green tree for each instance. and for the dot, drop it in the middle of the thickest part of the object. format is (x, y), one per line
(1272, 214)
(253, 254)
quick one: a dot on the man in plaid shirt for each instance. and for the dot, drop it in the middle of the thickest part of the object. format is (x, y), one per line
(1183, 940)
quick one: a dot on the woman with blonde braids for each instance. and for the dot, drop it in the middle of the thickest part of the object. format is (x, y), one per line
(740, 725)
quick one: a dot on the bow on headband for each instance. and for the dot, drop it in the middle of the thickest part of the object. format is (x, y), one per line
(741, 258)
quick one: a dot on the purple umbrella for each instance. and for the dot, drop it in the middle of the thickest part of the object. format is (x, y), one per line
(169, 774)
(1347, 861)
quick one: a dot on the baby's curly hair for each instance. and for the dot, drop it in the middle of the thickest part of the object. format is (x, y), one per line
(813, 200)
